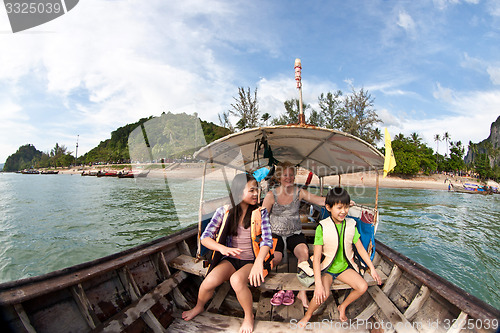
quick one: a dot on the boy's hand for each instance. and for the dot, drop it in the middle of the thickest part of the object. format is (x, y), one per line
(375, 276)
(319, 293)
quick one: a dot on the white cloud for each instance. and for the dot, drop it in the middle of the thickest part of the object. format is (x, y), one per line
(494, 73)
(469, 117)
(406, 22)
(443, 94)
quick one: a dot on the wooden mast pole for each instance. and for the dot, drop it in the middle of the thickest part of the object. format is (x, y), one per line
(298, 78)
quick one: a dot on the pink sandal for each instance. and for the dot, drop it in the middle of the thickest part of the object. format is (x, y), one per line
(288, 298)
(278, 298)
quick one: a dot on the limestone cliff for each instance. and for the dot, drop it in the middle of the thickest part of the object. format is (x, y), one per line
(490, 146)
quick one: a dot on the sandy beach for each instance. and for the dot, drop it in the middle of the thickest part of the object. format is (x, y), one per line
(195, 170)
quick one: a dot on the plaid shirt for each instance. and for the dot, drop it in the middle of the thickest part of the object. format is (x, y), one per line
(214, 226)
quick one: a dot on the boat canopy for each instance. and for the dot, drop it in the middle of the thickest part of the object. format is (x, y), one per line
(323, 151)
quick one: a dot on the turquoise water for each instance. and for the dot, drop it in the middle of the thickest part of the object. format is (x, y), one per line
(48, 222)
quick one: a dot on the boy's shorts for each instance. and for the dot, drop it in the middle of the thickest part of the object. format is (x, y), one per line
(291, 242)
(335, 275)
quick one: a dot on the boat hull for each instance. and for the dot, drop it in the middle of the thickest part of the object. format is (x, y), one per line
(141, 289)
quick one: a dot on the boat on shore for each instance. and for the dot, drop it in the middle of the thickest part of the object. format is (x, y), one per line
(101, 173)
(147, 287)
(30, 172)
(133, 174)
(49, 172)
(471, 189)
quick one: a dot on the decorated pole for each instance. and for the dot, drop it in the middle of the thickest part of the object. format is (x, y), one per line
(298, 78)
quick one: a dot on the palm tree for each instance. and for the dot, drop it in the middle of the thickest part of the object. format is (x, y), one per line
(265, 117)
(437, 138)
(415, 139)
(447, 138)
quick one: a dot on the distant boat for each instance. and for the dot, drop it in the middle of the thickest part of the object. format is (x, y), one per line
(133, 174)
(49, 172)
(30, 172)
(107, 173)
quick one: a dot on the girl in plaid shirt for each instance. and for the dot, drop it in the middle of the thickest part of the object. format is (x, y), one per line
(238, 264)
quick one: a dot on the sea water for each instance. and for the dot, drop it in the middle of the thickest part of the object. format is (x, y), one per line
(49, 222)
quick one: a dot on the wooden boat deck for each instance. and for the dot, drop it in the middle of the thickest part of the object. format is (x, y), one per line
(212, 322)
(146, 289)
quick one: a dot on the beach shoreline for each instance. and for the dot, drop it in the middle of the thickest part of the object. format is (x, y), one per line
(369, 179)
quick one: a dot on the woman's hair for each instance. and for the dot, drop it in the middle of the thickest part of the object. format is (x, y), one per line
(280, 169)
(337, 195)
(237, 187)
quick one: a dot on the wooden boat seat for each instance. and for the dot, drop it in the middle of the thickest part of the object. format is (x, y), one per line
(274, 281)
(289, 281)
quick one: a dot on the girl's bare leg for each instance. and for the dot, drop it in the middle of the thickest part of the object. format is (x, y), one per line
(278, 256)
(239, 282)
(301, 251)
(358, 285)
(222, 272)
(327, 281)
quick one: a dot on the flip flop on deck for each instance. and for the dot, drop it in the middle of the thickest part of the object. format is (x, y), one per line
(278, 298)
(288, 298)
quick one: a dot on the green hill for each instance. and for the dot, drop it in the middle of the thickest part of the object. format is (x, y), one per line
(168, 136)
(22, 159)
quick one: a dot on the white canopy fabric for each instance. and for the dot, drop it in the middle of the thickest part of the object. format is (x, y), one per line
(323, 151)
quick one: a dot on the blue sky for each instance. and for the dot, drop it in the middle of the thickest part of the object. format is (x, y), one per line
(432, 66)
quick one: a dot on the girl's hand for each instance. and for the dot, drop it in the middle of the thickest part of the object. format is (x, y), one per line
(319, 293)
(375, 276)
(256, 276)
(230, 251)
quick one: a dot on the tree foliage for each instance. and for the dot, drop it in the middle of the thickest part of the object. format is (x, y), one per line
(27, 157)
(412, 156)
(23, 158)
(246, 109)
(291, 115)
(168, 136)
(360, 117)
(353, 114)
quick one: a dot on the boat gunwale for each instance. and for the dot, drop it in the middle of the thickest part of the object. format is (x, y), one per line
(66, 277)
(458, 297)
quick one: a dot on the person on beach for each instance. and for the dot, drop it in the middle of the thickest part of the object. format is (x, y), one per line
(283, 203)
(236, 258)
(333, 241)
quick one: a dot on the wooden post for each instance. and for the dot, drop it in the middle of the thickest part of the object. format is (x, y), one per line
(339, 180)
(200, 213)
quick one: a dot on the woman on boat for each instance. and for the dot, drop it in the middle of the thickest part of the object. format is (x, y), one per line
(235, 256)
(283, 203)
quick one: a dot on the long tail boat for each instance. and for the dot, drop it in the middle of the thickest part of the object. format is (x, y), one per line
(146, 288)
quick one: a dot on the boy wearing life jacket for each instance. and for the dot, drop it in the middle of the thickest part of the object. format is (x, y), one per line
(335, 237)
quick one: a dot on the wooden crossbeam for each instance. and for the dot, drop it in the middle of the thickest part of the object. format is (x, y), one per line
(370, 310)
(397, 319)
(188, 264)
(134, 311)
(415, 305)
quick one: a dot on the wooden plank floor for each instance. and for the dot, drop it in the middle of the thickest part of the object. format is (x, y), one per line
(212, 322)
